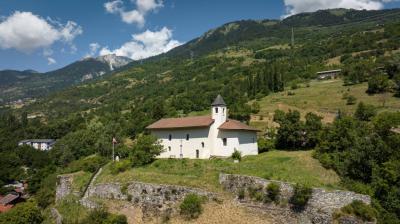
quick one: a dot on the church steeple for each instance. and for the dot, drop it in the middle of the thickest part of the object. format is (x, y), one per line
(218, 110)
(218, 101)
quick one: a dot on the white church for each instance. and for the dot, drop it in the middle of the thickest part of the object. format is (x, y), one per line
(203, 137)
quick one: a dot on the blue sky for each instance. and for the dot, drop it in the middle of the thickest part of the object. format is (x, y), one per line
(46, 34)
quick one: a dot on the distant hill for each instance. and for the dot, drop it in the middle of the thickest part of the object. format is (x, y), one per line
(16, 85)
(241, 60)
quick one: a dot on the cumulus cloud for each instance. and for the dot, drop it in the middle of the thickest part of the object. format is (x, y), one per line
(93, 49)
(26, 32)
(296, 6)
(137, 15)
(51, 61)
(146, 44)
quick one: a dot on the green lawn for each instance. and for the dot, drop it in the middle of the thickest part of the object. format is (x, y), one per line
(322, 97)
(80, 180)
(297, 167)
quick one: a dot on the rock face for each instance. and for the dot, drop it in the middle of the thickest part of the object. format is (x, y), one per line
(319, 209)
(64, 186)
(153, 198)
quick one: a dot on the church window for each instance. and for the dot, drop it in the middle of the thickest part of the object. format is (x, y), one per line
(169, 148)
(197, 153)
(223, 111)
(225, 141)
(216, 110)
(202, 144)
(170, 137)
(187, 137)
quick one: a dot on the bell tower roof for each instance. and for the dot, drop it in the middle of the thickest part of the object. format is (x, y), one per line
(218, 101)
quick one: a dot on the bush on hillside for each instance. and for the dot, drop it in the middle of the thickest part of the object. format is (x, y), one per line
(301, 196)
(365, 112)
(191, 207)
(351, 100)
(273, 191)
(101, 216)
(378, 83)
(265, 145)
(145, 150)
(120, 166)
(27, 212)
(360, 210)
(237, 155)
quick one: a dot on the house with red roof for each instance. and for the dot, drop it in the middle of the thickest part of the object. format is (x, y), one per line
(202, 137)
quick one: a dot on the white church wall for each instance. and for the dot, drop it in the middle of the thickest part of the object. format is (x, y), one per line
(178, 143)
(248, 143)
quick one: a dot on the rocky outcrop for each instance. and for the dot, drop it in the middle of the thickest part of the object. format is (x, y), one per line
(56, 215)
(319, 209)
(64, 186)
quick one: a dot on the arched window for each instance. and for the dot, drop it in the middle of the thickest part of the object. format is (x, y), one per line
(216, 110)
(223, 111)
(187, 137)
(202, 144)
(225, 141)
(169, 137)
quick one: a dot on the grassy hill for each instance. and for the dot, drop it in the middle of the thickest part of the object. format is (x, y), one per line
(297, 167)
(324, 98)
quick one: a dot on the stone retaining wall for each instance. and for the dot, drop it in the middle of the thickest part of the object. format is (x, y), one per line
(153, 198)
(319, 209)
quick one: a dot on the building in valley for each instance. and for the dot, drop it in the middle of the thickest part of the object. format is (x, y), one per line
(205, 136)
(40, 144)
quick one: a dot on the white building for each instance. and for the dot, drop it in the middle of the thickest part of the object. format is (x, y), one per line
(40, 144)
(205, 136)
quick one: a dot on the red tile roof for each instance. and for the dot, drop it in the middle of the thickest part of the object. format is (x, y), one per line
(236, 125)
(184, 122)
(8, 199)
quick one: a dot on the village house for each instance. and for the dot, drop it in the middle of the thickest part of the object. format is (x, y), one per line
(331, 74)
(39, 144)
(203, 137)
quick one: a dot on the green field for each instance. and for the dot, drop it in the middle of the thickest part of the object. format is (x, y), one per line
(297, 167)
(322, 97)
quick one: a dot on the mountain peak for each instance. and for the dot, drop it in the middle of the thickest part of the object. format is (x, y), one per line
(113, 60)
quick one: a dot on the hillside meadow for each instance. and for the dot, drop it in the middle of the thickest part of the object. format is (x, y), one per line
(297, 167)
(324, 98)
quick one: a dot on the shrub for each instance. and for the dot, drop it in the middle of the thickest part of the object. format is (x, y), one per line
(121, 166)
(301, 196)
(145, 150)
(236, 155)
(255, 192)
(365, 112)
(273, 191)
(241, 194)
(360, 210)
(27, 212)
(351, 100)
(265, 145)
(191, 207)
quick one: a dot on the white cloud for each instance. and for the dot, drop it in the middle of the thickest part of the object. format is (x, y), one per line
(298, 6)
(137, 15)
(47, 52)
(51, 61)
(93, 49)
(26, 32)
(145, 45)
